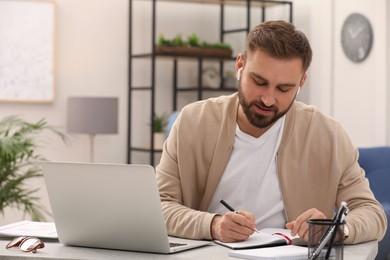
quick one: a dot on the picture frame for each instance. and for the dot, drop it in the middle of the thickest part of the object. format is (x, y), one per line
(27, 33)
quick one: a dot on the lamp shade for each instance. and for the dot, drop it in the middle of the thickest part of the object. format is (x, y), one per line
(92, 115)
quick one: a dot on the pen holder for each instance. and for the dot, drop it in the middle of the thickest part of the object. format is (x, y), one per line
(333, 246)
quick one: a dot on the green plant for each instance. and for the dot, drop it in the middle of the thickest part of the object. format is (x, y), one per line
(160, 122)
(19, 162)
(177, 41)
(192, 41)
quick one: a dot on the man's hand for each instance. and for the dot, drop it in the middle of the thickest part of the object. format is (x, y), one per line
(233, 226)
(300, 225)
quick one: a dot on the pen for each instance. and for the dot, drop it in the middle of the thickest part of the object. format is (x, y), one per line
(342, 212)
(232, 209)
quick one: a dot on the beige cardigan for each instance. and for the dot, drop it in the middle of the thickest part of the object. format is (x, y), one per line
(317, 168)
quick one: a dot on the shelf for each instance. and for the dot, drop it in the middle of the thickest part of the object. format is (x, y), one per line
(194, 51)
(208, 89)
(180, 56)
(186, 54)
(147, 150)
(254, 3)
(141, 88)
(189, 89)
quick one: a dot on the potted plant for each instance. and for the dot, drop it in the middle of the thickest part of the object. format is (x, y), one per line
(160, 123)
(192, 47)
(19, 162)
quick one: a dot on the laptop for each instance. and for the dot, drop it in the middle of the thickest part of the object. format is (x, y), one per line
(112, 206)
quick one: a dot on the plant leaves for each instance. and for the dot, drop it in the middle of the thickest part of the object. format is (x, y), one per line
(20, 162)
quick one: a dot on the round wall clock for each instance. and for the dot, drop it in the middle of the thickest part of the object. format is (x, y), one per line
(357, 37)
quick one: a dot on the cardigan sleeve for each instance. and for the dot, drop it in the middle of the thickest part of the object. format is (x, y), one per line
(181, 220)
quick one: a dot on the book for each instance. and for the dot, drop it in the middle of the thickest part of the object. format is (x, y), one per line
(267, 237)
(289, 252)
(29, 228)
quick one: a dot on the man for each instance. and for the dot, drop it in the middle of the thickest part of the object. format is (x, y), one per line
(282, 162)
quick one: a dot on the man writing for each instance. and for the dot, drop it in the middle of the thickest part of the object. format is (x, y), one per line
(282, 162)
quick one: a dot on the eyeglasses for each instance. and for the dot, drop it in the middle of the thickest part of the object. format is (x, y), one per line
(26, 244)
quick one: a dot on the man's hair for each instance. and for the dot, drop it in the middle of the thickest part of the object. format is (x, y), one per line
(281, 40)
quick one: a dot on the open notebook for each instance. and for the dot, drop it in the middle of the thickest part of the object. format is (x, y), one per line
(109, 206)
(267, 237)
(269, 243)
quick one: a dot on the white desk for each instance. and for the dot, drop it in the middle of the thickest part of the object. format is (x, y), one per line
(55, 250)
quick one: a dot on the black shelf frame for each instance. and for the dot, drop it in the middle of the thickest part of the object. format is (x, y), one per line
(199, 89)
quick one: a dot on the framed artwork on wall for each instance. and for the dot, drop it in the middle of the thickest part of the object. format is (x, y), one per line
(27, 29)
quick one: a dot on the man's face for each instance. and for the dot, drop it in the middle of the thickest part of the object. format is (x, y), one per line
(268, 87)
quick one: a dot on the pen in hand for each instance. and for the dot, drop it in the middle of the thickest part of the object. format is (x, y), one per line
(232, 209)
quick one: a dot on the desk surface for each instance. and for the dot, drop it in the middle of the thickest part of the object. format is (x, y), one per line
(55, 250)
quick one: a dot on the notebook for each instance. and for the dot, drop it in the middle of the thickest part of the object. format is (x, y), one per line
(290, 252)
(266, 237)
(113, 206)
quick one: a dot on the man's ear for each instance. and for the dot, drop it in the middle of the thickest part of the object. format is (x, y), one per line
(303, 79)
(240, 61)
(239, 65)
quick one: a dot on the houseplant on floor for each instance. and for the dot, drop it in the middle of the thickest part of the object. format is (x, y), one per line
(19, 162)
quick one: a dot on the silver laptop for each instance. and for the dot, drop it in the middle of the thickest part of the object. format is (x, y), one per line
(109, 206)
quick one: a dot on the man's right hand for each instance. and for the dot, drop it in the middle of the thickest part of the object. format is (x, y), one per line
(233, 226)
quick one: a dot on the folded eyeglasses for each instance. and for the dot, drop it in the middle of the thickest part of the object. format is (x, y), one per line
(26, 244)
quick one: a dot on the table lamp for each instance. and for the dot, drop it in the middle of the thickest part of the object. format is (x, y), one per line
(92, 116)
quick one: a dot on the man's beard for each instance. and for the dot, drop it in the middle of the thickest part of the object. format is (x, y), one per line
(258, 120)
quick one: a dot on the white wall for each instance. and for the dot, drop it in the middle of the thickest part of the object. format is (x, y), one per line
(91, 60)
(313, 17)
(360, 89)
(354, 94)
(387, 22)
(92, 54)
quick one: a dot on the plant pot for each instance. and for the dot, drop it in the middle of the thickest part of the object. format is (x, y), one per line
(159, 139)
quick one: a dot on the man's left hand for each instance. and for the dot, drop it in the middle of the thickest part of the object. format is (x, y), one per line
(300, 226)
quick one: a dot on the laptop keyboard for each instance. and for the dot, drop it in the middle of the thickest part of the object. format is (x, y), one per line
(171, 244)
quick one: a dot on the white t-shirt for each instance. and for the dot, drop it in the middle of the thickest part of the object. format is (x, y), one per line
(250, 180)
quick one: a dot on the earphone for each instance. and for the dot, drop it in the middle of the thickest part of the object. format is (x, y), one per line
(238, 74)
(299, 89)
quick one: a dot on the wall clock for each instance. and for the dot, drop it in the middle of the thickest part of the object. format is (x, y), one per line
(357, 37)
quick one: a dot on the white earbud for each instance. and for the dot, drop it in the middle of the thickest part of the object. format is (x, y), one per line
(299, 89)
(238, 74)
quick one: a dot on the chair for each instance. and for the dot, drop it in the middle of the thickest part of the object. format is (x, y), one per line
(376, 163)
(171, 120)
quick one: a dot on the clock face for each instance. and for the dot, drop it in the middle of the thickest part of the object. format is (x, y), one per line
(356, 37)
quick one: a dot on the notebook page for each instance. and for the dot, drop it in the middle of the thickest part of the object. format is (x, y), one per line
(290, 252)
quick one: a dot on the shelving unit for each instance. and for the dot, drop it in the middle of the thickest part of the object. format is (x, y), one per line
(200, 60)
